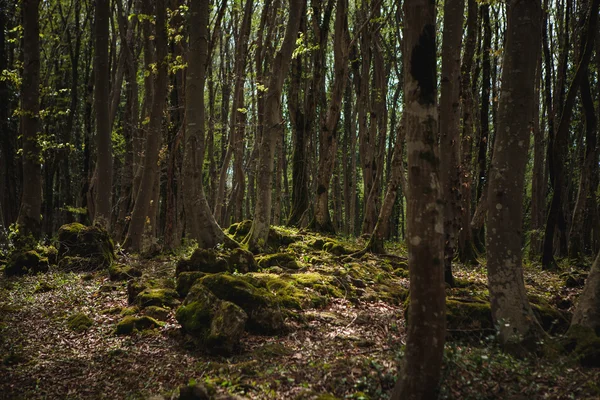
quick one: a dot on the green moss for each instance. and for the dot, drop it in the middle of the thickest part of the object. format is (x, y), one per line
(336, 248)
(129, 324)
(111, 311)
(129, 311)
(197, 309)
(51, 253)
(203, 260)
(241, 230)
(242, 261)
(121, 272)
(323, 284)
(584, 345)
(551, 319)
(468, 316)
(92, 242)
(27, 262)
(186, 280)
(226, 328)
(157, 297)
(287, 293)
(79, 322)
(283, 260)
(137, 286)
(158, 313)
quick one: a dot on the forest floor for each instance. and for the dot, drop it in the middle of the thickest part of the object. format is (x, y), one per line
(347, 348)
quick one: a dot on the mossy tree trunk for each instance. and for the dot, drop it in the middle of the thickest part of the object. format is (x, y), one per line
(257, 238)
(29, 219)
(587, 311)
(421, 366)
(511, 311)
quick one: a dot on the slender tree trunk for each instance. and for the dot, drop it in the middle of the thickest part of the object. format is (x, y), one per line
(510, 308)
(538, 185)
(102, 215)
(421, 366)
(31, 201)
(560, 144)
(149, 175)
(449, 126)
(257, 238)
(200, 223)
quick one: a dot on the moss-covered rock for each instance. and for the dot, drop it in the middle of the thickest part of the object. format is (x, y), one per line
(129, 324)
(137, 286)
(584, 345)
(79, 322)
(196, 312)
(158, 313)
(89, 242)
(574, 279)
(283, 260)
(240, 230)
(552, 320)
(336, 249)
(126, 311)
(186, 280)
(161, 297)
(226, 327)
(323, 284)
(242, 261)
(27, 262)
(240, 291)
(468, 315)
(121, 272)
(51, 253)
(203, 260)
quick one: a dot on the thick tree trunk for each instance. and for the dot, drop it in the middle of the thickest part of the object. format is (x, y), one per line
(257, 238)
(510, 308)
(421, 366)
(102, 215)
(449, 126)
(31, 201)
(149, 174)
(587, 311)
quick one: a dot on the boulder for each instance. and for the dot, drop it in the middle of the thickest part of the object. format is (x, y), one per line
(26, 262)
(129, 324)
(161, 297)
(186, 280)
(242, 261)
(158, 313)
(226, 327)
(79, 322)
(203, 260)
(121, 272)
(283, 260)
(90, 243)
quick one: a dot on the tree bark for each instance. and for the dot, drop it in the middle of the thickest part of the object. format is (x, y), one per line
(421, 366)
(587, 310)
(146, 192)
(449, 126)
(257, 238)
(29, 220)
(511, 311)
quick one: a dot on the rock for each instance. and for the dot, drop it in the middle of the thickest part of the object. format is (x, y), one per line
(218, 324)
(191, 392)
(88, 242)
(121, 272)
(158, 313)
(260, 305)
(203, 260)
(79, 322)
(242, 261)
(226, 328)
(335, 249)
(186, 280)
(137, 286)
(240, 230)
(160, 297)
(51, 253)
(283, 260)
(574, 279)
(26, 262)
(130, 323)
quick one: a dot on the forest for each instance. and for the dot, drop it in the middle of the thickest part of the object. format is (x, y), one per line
(299, 199)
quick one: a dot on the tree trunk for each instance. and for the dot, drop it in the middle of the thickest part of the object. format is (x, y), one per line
(257, 238)
(449, 126)
(510, 308)
(560, 144)
(421, 366)
(149, 175)
(587, 310)
(31, 201)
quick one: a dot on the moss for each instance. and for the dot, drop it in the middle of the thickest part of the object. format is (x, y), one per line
(203, 260)
(281, 236)
(79, 322)
(226, 328)
(158, 313)
(121, 272)
(336, 248)
(111, 311)
(92, 242)
(74, 263)
(186, 280)
(129, 324)
(574, 279)
(28, 262)
(552, 320)
(43, 287)
(466, 316)
(584, 345)
(157, 297)
(137, 286)
(129, 311)
(241, 230)
(283, 260)
(322, 284)
(242, 261)
(51, 253)
(197, 309)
